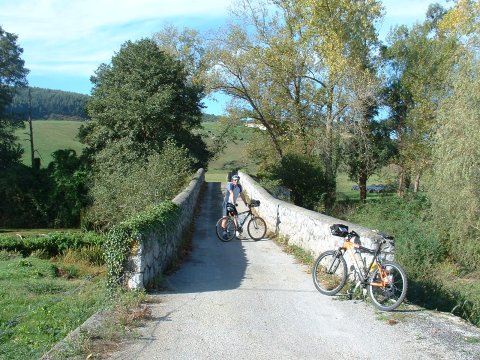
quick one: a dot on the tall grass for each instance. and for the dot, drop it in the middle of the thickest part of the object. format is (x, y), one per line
(42, 300)
(435, 281)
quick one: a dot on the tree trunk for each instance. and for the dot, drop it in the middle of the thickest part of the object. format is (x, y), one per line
(416, 185)
(329, 170)
(362, 184)
(401, 184)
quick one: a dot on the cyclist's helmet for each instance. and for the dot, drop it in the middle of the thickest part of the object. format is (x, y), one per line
(235, 177)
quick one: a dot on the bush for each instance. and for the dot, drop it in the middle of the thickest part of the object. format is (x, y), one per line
(52, 244)
(305, 178)
(124, 186)
(418, 244)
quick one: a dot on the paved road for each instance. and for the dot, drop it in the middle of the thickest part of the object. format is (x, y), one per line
(250, 300)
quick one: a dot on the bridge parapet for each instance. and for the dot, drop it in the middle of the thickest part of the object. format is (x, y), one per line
(304, 228)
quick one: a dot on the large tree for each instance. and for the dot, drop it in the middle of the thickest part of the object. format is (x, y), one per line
(143, 98)
(455, 191)
(289, 65)
(12, 74)
(419, 60)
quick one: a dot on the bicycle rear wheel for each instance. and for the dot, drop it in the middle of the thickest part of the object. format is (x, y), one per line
(391, 295)
(228, 233)
(329, 272)
(257, 228)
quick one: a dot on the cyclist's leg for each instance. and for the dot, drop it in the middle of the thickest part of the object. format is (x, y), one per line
(224, 214)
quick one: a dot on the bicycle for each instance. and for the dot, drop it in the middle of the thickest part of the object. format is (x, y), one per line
(385, 280)
(256, 227)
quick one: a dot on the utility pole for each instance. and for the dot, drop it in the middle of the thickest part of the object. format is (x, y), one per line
(31, 127)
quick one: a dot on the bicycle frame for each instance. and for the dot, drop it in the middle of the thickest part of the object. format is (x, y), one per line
(364, 278)
(248, 212)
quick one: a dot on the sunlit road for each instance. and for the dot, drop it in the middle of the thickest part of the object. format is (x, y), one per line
(250, 300)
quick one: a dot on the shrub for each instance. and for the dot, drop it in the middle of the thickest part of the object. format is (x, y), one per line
(305, 178)
(125, 186)
(51, 244)
(418, 244)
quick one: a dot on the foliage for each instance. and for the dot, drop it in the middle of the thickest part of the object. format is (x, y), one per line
(47, 104)
(24, 195)
(186, 46)
(52, 244)
(69, 194)
(49, 197)
(141, 99)
(418, 60)
(454, 189)
(123, 188)
(305, 178)
(418, 243)
(12, 73)
(121, 237)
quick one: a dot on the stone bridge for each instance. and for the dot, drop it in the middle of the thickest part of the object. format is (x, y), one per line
(249, 299)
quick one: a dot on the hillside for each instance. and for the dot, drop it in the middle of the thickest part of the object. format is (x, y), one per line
(48, 104)
(52, 135)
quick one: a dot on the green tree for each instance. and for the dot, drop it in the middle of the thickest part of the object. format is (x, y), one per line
(12, 74)
(143, 98)
(454, 186)
(419, 60)
(69, 191)
(288, 65)
(305, 178)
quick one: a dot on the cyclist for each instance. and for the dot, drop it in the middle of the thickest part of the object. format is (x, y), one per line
(233, 190)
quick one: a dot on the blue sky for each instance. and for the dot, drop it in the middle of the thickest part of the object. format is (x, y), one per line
(64, 42)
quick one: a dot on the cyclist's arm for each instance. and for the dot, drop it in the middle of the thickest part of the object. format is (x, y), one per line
(243, 198)
(231, 197)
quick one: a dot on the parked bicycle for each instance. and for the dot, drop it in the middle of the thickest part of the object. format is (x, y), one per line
(256, 226)
(384, 279)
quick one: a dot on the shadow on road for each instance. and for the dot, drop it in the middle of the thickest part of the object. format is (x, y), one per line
(213, 265)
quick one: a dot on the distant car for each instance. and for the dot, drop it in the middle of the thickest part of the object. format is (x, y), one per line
(374, 188)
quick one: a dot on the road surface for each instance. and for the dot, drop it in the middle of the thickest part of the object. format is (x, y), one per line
(250, 300)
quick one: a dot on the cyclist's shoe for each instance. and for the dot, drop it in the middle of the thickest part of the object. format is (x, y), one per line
(225, 236)
(239, 230)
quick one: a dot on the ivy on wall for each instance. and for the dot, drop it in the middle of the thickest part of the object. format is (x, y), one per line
(122, 239)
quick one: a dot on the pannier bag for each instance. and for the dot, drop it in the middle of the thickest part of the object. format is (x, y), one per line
(255, 203)
(339, 230)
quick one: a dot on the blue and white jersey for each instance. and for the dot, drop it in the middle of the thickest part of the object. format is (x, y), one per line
(236, 191)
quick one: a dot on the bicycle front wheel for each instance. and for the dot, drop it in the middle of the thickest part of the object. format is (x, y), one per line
(227, 233)
(257, 228)
(390, 293)
(329, 272)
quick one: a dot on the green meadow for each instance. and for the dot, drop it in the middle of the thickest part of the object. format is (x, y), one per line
(49, 136)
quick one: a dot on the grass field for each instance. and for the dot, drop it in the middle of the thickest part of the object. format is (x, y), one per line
(42, 300)
(49, 136)
(233, 156)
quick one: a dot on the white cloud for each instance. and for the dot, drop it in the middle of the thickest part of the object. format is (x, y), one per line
(83, 34)
(58, 19)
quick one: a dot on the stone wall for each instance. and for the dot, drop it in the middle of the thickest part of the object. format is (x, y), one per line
(304, 228)
(156, 250)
